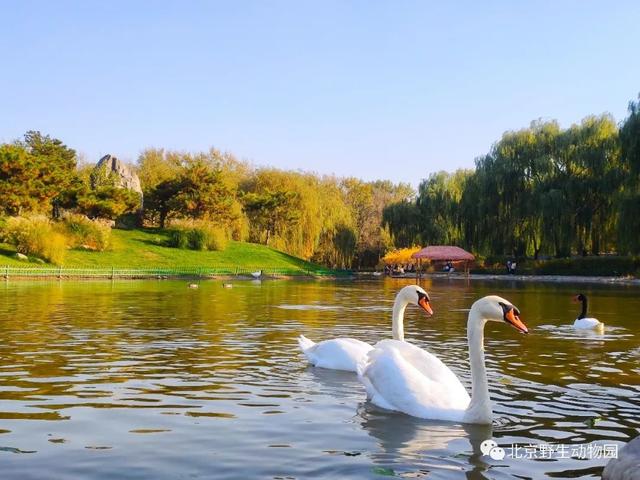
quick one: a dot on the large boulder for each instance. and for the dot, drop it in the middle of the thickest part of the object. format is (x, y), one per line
(626, 465)
(123, 175)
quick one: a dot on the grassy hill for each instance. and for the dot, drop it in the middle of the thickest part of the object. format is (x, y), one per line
(144, 248)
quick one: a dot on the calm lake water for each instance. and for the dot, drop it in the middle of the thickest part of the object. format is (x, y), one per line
(154, 380)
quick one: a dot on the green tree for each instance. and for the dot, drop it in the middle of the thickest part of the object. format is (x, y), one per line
(271, 213)
(199, 191)
(367, 201)
(158, 205)
(56, 167)
(628, 222)
(155, 165)
(296, 223)
(34, 172)
(630, 140)
(18, 191)
(107, 201)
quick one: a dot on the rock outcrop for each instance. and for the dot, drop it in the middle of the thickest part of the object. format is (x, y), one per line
(123, 175)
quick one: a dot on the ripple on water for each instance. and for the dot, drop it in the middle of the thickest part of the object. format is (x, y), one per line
(117, 375)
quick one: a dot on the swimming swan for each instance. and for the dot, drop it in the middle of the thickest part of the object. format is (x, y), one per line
(400, 376)
(345, 353)
(583, 322)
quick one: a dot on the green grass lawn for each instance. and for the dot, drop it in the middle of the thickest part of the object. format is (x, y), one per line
(144, 248)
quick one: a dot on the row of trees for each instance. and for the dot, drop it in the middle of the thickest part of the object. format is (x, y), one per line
(541, 190)
(334, 221)
(40, 174)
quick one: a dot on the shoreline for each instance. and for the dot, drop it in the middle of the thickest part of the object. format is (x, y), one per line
(186, 277)
(163, 274)
(524, 278)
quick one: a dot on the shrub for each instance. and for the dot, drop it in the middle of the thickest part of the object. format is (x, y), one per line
(606, 265)
(217, 240)
(86, 233)
(178, 238)
(36, 236)
(128, 221)
(197, 235)
(198, 238)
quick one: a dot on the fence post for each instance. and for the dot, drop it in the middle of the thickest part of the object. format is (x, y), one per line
(112, 272)
(6, 272)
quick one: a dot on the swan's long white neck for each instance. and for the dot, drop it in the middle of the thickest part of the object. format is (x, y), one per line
(397, 320)
(479, 409)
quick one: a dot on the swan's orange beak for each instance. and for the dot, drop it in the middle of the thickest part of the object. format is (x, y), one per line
(514, 320)
(425, 305)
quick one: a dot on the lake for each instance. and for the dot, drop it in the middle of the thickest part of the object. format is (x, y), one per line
(153, 380)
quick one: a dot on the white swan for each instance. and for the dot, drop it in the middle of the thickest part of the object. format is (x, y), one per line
(583, 322)
(400, 376)
(345, 353)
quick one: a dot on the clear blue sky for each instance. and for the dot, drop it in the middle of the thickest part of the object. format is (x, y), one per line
(366, 88)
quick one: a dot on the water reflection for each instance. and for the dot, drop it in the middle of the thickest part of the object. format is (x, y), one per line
(337, 383)
(108, 379)
(427, 443)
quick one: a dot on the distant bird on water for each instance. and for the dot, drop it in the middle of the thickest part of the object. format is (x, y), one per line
(583, 322)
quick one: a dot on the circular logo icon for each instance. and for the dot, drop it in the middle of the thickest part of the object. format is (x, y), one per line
(487, 445)
(497, 453)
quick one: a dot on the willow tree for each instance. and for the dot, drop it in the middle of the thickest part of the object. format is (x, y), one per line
(403, 221)
(438, 207)
(337, 241)
(540, 189)
(367, 201)
(295, 225)
(629, 206)
(593, 150)
(510, 177)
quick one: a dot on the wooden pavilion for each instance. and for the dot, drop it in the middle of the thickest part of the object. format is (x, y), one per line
(444, 253)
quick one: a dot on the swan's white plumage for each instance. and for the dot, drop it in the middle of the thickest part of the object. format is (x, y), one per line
(587, 323)
(583, 322)
(400, 376)
(336, 354)
(346, 353)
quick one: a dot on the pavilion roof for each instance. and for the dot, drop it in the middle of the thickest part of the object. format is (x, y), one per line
(444, 252)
